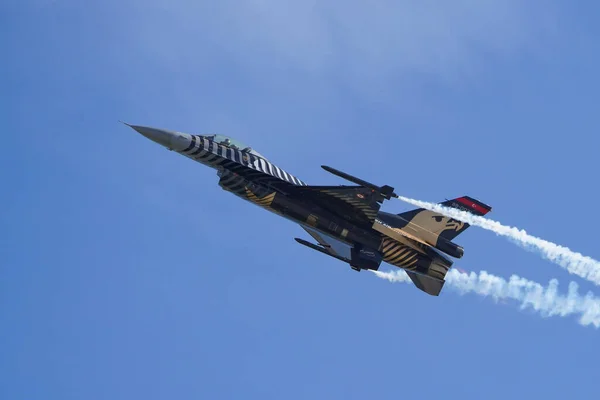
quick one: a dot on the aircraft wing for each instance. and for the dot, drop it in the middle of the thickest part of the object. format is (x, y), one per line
(334, 247)
(354, 203)
(359, 204)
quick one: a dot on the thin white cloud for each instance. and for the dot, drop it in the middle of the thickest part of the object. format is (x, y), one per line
(377, 41)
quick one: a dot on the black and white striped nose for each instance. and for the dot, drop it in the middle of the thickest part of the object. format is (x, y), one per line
(170, 139)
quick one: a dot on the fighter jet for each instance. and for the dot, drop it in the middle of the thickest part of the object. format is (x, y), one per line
(345, 220)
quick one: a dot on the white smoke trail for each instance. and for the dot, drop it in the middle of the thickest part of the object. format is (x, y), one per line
(575, 263)
(544, 300)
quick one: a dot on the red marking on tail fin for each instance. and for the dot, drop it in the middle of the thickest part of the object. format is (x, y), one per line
(474, 205)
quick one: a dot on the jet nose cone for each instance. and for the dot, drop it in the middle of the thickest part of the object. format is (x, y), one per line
(160, 136)
(170, 139)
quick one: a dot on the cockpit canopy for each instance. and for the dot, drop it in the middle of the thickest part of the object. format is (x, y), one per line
(233, 143)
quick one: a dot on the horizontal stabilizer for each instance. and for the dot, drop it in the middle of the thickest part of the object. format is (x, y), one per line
(428, 284)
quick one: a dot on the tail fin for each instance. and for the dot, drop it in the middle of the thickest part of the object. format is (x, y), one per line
(441, 226)
(468, 204)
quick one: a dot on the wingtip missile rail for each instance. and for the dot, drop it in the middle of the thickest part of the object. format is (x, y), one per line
(386, 192)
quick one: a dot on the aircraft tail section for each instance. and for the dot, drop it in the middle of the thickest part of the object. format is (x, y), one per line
(429, 223)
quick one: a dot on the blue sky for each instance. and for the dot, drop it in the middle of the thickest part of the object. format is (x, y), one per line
(126, 272)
